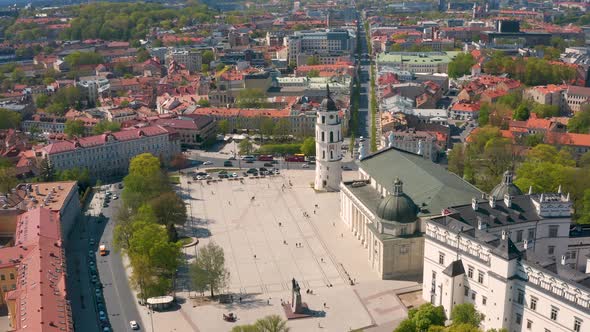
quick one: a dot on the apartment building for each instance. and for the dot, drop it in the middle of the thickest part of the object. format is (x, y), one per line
(417, 62)
(327, 44)
(515, 259)
(190, 59)
(108, 154)
(576, 97)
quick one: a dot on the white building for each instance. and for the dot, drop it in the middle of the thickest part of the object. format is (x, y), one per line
(328, 128)
(191, 59)
(516, 259)
(326, 44)
(109, 154)
(386, 206)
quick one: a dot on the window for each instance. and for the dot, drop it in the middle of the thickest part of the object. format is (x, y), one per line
(484, 300)
(519, 236)
(12, 276)
(323, 119)
(554, 312)
(550, 250)
(529, 324)
(322, 136)
(533, 304)
(520, 297)
(403, 249)
(577, 324)
(480, 277)
(553, 230)
(2, 277)
(331, 137)
(518, 319)
(441, 258)
(470, 272)
(473, 295)
(466, 291)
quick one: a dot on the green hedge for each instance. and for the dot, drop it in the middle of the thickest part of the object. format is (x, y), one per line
(291, 148)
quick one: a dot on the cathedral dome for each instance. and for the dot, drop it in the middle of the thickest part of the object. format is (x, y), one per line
(328, 103)
(506, 187)
(397, 206)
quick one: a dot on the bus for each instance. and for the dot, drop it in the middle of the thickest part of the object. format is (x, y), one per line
(265, 157)
(298, 157)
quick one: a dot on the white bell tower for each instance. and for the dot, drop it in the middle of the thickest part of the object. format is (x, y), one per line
(328, 138)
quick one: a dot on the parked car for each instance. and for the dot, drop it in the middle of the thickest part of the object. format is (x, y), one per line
(305, 165)
(231, 158)
(252, 170)
(102, 315)
(234, 175)
(227, 163)
(346, 167)
(208, 162)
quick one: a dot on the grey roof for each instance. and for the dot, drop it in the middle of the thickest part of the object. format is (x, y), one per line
(454, 269)
(521, 210)
(430, 185)
(398, 208)
(506, 187)
(506, 249)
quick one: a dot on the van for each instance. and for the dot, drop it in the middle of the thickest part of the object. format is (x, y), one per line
(103, 250)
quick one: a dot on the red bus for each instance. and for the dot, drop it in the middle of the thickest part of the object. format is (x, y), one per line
(265, 157)
(298, 157)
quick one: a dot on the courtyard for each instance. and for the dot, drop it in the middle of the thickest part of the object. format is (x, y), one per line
(274, 229)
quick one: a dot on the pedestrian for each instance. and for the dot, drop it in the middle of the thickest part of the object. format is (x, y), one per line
(324, 304)
(229, 202)
(341, 234)
(322, 260)
(254, 256)
(334, 224)
(313, 211)
(284, 242)
(240, 299)
(268, 301)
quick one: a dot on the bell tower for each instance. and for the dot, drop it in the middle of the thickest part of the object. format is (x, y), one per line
(328, 142)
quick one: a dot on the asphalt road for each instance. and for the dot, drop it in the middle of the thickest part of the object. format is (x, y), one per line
(364, 115)
(120, 303)
(218, 162)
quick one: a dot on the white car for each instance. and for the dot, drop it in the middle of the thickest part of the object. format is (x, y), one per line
(234, 175)
(305, 166)
(208, 162)
(134, 325)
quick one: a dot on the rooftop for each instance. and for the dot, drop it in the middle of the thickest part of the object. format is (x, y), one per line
(50, 195)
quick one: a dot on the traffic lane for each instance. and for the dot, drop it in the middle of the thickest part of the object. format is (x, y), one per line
(119, 300)
(218, 162)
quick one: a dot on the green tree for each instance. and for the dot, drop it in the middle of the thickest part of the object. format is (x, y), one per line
(251, 98)
(406, 325)
(245, 328)
(104, 126)
(209, 269)
(169, 208)
(282, 128)
(272, 323)
(142, 55)
(245, 147)
(267, 126)
(74, 128)
(81, 175)
(580, 122)
(545, 111)
(9, 119)
(83, 58)
(313, 73)
(584, 213)
(219, 67)
(8, 179)
(203, 102)
(456, 159)
(42, 101)
(461, 65)
(223, 126)
(521, 113)
(584, 160)
(533, 140)
(484, 114)
(312, 61)
(46, 172)
(207, 57)
(56, 109)
(463, 328)
(144, 181)
(465, 313)
(427, 315)
(308, 146)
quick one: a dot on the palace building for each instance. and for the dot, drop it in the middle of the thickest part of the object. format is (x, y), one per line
(386, 207)
(518, 260)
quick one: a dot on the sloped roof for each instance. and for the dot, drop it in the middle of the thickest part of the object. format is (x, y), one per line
(454, 269)
(430, 185)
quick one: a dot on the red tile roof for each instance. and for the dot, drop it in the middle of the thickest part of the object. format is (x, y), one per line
(466, 107)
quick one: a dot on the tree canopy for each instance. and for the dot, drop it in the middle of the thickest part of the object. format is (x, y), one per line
(530, 71)
(308, 147)
(74, 128)
(9, 119)
(104, 126)
(461, 65)
(208, 270)
(251, 98)
(580, 122)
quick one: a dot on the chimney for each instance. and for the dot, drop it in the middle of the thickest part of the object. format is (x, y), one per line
(526, 244)
(481, 225)
(507, 200)
(474, 204)
(492, 201)
(504, 234)
(562, 259)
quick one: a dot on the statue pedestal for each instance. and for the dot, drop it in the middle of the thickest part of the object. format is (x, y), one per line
(304, 311)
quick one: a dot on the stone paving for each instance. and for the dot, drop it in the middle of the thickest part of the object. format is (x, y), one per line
(262, 257)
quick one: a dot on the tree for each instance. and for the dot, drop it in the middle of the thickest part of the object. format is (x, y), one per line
(312, 61)
(463, 328)
(42, 101)
(46, 172)
(74, 128)
(219, 67)
(461, 65)
(142, 55)
(545, 111)
(584, 213)
(580, 122)
(83, 58)
(282, 128)
(203, 102)
(427, 315)
(308, 146)
(209, 269)
(207, 57)
(406, 325)
(521, 113)
(179, 161)
(104, 126)
(144, 181)
(245, 328)
(533, 140)
(484, 114)
(169, 208)
(223, 126)
(81, 175)
(272, 323)
(9, 119)
(465, 313)
(267, 126)
(456, 159)
(251, 98)
(172, 233)
(313, 73)
(8, 179)
(245, 147)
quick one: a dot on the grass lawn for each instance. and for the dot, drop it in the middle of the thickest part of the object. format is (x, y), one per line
(175, 179)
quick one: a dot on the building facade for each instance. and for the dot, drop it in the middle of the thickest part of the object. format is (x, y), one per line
(191, 59)
(109, 154)
(516, 259)
(335, 41)
(328, 128)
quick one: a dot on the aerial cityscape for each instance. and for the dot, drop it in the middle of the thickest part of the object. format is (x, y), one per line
(280, 165)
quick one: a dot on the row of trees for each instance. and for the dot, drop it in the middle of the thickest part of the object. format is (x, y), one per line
(272, 323)
(430, 318)
(245, 147)
(461, 65)
(9, 119)
(61, 101)
(145, 230)
(77, 128)
(530, 71)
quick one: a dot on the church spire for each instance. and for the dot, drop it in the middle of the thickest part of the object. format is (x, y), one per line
(327, 90)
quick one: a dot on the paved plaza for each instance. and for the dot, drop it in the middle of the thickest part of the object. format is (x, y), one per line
(268, 240)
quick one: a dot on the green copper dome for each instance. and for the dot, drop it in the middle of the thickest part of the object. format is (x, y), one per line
(397, 206)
